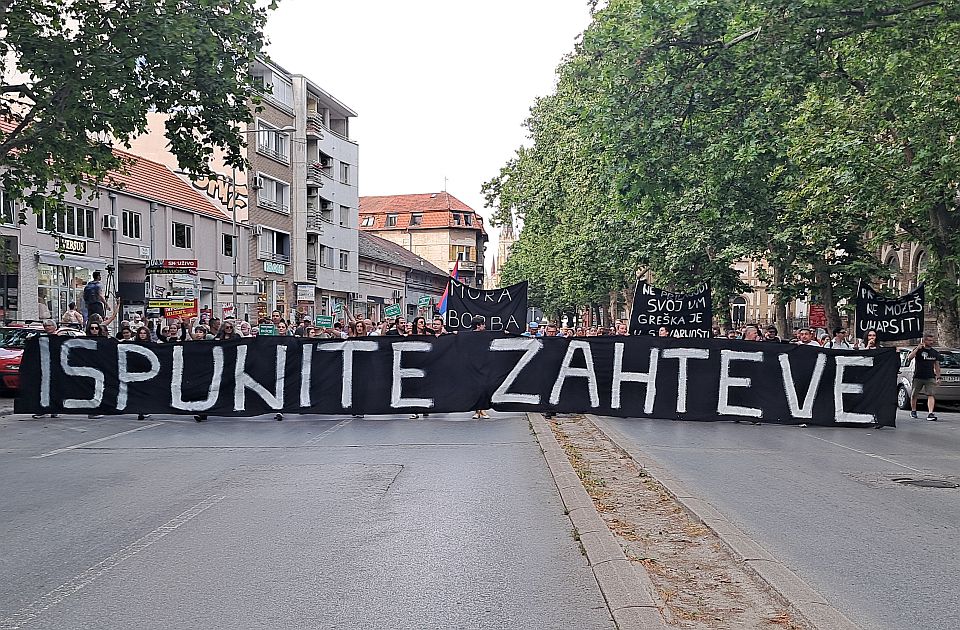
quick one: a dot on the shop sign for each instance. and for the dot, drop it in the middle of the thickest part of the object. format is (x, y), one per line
(171, 303)
(71, 246)
(178, 266)
(306, 292)
(272, 267)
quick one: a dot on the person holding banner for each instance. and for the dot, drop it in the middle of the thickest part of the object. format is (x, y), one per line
(479, 324)
(926, 375)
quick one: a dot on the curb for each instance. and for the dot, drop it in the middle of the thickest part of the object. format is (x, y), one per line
(627, 589)
(800, 597)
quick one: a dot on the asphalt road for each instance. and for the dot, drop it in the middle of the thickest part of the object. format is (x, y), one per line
(825, 503)
(316, 522)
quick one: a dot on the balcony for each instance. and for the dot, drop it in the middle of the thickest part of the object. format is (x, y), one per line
(315, 173)
(312, 270)
(273, 154)
(315, 125)
(274, 257)
(314, 219)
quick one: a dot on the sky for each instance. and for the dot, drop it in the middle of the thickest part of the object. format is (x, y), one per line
(441, 87)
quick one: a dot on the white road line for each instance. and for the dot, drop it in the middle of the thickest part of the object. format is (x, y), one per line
(335, 427)
(103, 439)
(34, 609)
(873, 455)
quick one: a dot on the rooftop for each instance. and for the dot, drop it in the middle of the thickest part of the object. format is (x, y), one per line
(437, 210)
(376, 248)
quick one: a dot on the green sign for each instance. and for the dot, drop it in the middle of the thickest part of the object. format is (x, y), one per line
(393, 310)
(424, 302)
(325, 321)
(268, 330)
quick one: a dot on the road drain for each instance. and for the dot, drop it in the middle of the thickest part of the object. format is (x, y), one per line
(928, 483)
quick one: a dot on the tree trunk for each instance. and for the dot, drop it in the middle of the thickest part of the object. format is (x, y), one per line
(779, 306)
(829, 301)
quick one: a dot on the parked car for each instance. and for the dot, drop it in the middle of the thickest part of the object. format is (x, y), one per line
(949, 389)
(11, 352)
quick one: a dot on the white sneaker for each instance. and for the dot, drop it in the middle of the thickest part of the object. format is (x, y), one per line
(414, 416)
(484, 415)
(476, 416)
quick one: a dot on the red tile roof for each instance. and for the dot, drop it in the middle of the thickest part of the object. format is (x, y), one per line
(437, 210)
(151, 180)
(154, 181)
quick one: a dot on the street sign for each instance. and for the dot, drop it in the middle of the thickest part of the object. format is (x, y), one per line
(325, 321)
(268, 330)
(393, 310)
(424, 301)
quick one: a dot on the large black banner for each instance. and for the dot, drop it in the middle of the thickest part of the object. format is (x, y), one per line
(682, 314)
(691, 379)
(505, 309)
(894, 319)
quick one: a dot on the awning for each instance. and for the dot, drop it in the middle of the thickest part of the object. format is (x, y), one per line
(71, 260)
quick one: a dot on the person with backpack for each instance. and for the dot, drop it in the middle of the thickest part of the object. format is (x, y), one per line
(93, 297)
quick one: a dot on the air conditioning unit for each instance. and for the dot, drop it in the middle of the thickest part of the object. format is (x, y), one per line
(111, 222)
(256, 230)
(326, 205)
(356, 297)
(257, 183)
(397, 295)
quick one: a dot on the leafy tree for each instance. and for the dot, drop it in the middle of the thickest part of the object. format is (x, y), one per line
(83, 74)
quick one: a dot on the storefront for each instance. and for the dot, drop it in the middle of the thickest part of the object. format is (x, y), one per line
(60, 281)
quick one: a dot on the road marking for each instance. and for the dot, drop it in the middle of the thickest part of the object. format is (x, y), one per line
(335, 427)
(873, 455)
(103, 439)
(34, 609)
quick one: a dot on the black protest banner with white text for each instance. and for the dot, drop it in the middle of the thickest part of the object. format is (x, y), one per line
(504, 309)
(682, 314)
(641, 376)
(893, 319)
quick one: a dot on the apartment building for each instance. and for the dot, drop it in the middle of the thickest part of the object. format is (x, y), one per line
(391, 274)
(435, 226)
(304, 196)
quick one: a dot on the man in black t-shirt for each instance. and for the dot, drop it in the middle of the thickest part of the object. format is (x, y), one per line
(926, 375)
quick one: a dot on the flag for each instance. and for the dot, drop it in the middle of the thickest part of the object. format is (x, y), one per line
(442, 308)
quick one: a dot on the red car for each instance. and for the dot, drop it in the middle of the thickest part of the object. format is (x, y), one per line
(10, 355)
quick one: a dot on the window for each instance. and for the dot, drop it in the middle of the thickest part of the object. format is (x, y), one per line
(274, 87)
(391, 220)
(893, 265)
(67, 219)
(739, 310)
(462, 252)
(229, 243)
(416, 219)
(272, 143)
(456, 218)
(131, 224)
(344, 261)
(368, 221)
(326, 211)
(274, 246)
(344, 173)
(345, 216)
(8, 208)
(326, 256)
(183, 236)
(274, 195)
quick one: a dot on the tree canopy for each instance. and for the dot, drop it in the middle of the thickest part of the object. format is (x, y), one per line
(81, 75)
(685, 135)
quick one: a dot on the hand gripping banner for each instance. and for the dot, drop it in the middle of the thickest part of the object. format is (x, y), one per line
(642, 376)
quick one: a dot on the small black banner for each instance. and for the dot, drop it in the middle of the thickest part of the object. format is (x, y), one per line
(642, 376)
(894, 319)
(682, 314)
(505, 309)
